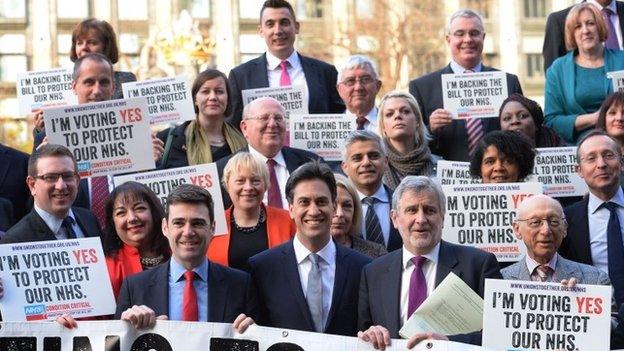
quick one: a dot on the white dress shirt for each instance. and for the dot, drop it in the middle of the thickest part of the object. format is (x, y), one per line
(371, 120)
(327, 262)
(295, 71)
(429, 270)
(56, 225)
(458, 69)
(615, 18)
(281, 172)
(382, 209)
(532, 264)
(598, 221)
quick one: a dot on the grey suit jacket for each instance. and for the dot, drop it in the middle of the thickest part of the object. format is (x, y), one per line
(565, 269)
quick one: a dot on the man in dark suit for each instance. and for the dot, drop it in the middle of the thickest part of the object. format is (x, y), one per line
(309, 283)
(394, 285)
(264, 127)
(13, 173)
(364, 162)
(590, 238)
(53, 180)
(554, 36)
(188, 287)
(281, 65)
(465, 36)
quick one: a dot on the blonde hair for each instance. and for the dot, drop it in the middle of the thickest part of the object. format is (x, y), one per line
(245, 160)
(356, 221)
(422, 134)
(573, 18)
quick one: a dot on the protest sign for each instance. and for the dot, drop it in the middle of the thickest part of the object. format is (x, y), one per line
(162, 182)
(323, 134)
(42, 89)
(474, 95)
(455, 172)
(617, 80)
(527, 315)
(555, 168)
(293, 98)
(169, 336)
(108, 137)
(43, 280)
(481, 216)
(169, 99)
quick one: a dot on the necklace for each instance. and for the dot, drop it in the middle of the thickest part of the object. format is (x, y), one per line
(247, 230)
(149, 262)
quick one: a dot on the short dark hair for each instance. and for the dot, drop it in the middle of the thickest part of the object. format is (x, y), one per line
(95, 57)
(593, 133)
(512, 144)
(48, 150)
(105, 32)
(205, 76)
(131, 191)
(310, 171)
(190, 194)
(277, 4)
(615, 99)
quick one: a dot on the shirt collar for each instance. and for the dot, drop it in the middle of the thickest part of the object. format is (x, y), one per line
(594, 202)
(273, 61)
(176, 270)
(52, 221)
(371, 116)
(381, 195)
(279, 158)
(327, 253)
(532, 264)
(458, 69)
(431, 256)
(612, 6)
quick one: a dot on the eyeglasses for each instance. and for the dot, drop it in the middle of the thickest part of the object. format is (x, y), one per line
(279, 119)
(553, 222)
(472, 33)
(52, 178)
(607, 156)
(365, 80)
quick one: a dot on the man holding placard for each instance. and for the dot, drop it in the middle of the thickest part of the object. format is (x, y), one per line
(454, 139)
(358, 85)
(53, 182)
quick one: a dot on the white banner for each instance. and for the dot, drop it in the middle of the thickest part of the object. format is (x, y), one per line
(293, 98)
(617, 80)
(42, 89)
(474, 95)
(323, 134)
(45, 279)
(455, 172)
(555, 167)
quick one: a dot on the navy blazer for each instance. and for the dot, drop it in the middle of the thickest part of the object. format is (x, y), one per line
(228, 292)
(282, 302)
(380, 286)
(320, 78)
(13, 173)
(575, 246)
(451, 142)
(394, 240)
(33, 228)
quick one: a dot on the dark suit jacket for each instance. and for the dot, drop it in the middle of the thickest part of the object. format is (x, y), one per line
(281, 300)
(33, 228)
(6, 214)
(554, 37)
(13, 173)
(320, 78)
(452, 141)
(228, 292)
(394, 240)
(380, 286)
(292, 156)
(575, 246)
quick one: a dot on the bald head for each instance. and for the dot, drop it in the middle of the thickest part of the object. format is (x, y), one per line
(264, 125)
(531, 202)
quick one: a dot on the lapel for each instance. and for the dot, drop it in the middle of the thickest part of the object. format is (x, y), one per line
(446, 262)
(394, 239)
(40, 226)
(259, 80)
(620, 12)
(158, 288)
(565, 270)
(522, 272)
(581, 221)
(217, 293)
(311, 74)
(4, 165)
(343, 267)
(289, 262)
(86, 226)
(291, 159)
(390, 285)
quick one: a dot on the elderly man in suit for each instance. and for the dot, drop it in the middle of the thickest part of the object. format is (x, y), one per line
(394, 285)
(309, 283)
(282, 65)
(358, 85)
(456, 139)
(53, 182)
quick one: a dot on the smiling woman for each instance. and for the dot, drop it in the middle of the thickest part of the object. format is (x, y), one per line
(503, 157)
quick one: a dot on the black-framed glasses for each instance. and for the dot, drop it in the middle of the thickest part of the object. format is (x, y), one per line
(52, 178)
(553, 222)
(266, 118)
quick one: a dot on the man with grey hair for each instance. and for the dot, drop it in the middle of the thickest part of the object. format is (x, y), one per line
(358, 85)
(364, 161)
(394, 285)
(456, 139)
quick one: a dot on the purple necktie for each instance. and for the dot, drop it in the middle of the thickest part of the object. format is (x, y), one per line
(612, 40)
(418, 285)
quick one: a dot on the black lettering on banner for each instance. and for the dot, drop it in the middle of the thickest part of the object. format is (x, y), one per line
(151, 342)
(225, 344)
(52, 343)
(18, 343)
(81, 343)
(285, 346)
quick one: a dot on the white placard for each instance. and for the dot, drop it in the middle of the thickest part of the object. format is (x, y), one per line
(527, 315)
(293, 98)
(108, 137)
(43, 89)
(162, 182)
(617, 80)
(45, 279)
(555, 167)
(455, 172)
(323, 134)
(481, 216)
(474, 95)
(169, 99)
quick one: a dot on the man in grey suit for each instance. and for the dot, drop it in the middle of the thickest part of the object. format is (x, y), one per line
(541, 225)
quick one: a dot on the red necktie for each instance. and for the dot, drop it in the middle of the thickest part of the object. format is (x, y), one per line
(275, 197)
(284, 77)
(99, 194)
(361, 121)
(189, 300)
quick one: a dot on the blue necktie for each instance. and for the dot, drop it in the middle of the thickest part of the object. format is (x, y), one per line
(371, 221)
(615, 250)
(68, 223)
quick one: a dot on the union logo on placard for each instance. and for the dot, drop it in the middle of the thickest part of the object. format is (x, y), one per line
(35, 312)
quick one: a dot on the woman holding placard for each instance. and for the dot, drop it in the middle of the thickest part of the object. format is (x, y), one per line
(208, 137)
(252, 226)
(405, 137)
(502, 157)
(523, 115)
(577, 83)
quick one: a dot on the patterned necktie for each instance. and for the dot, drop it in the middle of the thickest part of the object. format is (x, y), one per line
(68, 223)
(361, 122)
(314, 292)
(474, 129)
(418, 285)
(615, 252)
(544, 273)
(373, 226)
(612, 39)
(99, 194)
(189, 300)
(284, 77)
(274, 197)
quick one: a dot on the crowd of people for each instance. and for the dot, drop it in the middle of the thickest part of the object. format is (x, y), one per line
(349, 248)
